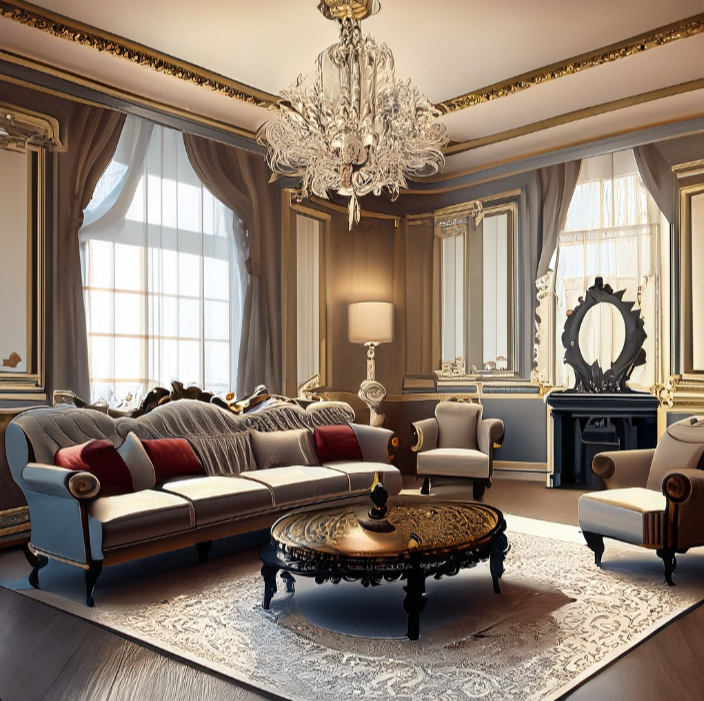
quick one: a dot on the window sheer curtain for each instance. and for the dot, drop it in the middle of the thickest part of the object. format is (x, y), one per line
(612, 232)
(163, 282)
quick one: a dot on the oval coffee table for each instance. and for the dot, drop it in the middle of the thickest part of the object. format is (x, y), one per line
(429, 537)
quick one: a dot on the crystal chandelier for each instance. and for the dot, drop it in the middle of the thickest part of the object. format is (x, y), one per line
(357, 129)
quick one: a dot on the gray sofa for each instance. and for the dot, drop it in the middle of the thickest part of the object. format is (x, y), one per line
(232, 495)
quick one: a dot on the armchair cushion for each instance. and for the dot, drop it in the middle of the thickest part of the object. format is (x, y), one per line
(634, 515)
(457, 424)
(337, 443)
(454, 462)
(100, 458)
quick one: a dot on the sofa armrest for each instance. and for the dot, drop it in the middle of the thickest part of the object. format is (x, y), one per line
(60, 482)
(490, 435)
(425, 433)
(623, 468)
(377, 444)
(684, 490)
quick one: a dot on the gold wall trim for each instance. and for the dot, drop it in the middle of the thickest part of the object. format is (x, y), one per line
(688, 170)
(65, 28)
(117, 93)
(607, 54)
(574, 116)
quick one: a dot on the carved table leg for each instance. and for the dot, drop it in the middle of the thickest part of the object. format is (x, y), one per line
(499, 548)
(92, 574)
(37, 561)
(269, 574)
(668, 557)
(413, 602)
(596, 545)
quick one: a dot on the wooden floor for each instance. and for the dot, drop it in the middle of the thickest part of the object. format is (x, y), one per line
(50, 655)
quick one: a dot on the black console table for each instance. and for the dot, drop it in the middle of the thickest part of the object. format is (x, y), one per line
(585, 424)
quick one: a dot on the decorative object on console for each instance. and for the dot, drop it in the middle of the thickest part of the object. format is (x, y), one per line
(371, 323)
(593, 378)
(357, 129)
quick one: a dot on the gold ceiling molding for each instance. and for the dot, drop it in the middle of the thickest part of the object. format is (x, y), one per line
(71, 30)
(629, 47)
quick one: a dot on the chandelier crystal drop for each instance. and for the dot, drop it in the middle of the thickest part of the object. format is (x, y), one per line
(356, 129)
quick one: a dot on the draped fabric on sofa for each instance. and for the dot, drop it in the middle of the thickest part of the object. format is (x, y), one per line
(241, 181)
(92, 134)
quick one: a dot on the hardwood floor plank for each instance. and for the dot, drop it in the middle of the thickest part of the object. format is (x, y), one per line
(36, 643)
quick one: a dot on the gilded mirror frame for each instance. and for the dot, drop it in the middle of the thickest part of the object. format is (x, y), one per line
(34, 135)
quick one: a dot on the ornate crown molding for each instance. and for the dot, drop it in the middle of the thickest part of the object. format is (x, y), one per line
(629, 47)
(71, 30)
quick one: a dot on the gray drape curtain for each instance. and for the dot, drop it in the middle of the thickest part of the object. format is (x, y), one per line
(240, 180)
(658, 178)
(92, 134)
(553, 187)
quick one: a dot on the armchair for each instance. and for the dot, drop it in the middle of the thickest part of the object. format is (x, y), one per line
(653, 498)
(457, 443)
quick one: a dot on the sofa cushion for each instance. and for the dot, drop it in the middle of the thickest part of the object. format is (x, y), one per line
(361, 475)
(283, 448)
(99, 457)
(337, 443)
(172, 457)
(216, 498)
(299, 483)
(138, 463)
(453, 462)
(633, 514)
(133, 518)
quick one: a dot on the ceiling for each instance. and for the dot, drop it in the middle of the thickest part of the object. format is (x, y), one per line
(573, 72)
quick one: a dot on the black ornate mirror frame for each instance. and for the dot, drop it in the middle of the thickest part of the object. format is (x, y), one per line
(591, 378)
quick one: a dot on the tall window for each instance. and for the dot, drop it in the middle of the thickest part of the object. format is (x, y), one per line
(163, 283)
(612, 231)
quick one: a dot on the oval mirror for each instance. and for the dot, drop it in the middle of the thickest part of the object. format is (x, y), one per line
(602, 335)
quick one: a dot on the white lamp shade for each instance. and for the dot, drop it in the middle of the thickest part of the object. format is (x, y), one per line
(371, 322)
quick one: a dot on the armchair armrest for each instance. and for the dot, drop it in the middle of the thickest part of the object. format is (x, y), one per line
(60, 482)
(377, 444)
(623, 468)
(425, 433)
(684, 490)
(490, 435)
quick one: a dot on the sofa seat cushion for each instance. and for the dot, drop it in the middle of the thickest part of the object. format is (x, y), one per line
(132, 518)
(218, 498)
(454, 462)
(361, 475)
(300, 483)
(634, 514)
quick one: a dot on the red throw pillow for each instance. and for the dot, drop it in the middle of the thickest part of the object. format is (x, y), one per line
(172, 457)
(338, 442)
(100, 458)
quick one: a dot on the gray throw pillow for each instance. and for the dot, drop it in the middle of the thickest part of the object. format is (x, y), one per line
(283, 448)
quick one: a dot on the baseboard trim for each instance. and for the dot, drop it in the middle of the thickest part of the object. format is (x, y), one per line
(529, 471)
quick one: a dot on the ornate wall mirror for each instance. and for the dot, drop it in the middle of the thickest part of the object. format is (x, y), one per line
(25, 138)
(603, 362)
(692, 281)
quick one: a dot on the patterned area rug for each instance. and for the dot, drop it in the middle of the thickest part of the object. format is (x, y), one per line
(557, 620)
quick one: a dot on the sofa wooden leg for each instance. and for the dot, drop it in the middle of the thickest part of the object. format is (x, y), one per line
(668, 557)
(92, 574)
(596, 545)
(204, 550)
(37, 561)
(425, 489)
